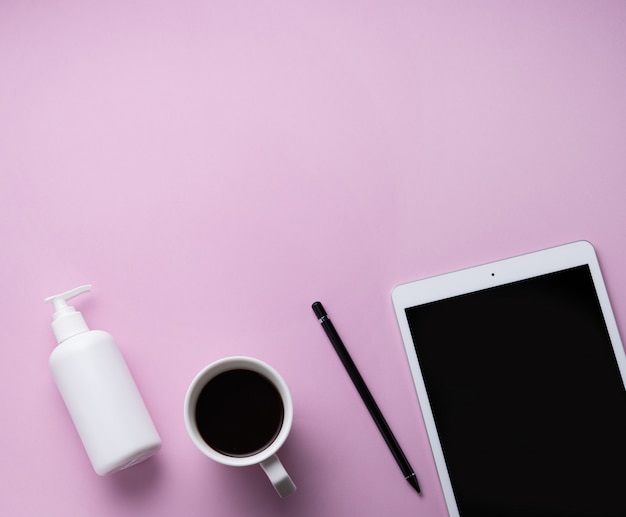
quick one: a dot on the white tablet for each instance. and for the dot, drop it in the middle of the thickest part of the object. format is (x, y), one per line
(520, 371)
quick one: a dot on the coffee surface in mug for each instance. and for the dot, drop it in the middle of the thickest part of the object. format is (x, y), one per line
(239, 413)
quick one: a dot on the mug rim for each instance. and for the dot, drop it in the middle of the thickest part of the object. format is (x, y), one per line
(211, 371)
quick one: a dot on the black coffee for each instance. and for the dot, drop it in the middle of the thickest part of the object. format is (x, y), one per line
(239, 413)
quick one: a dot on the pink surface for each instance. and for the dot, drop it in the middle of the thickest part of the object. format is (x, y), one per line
(215, 167)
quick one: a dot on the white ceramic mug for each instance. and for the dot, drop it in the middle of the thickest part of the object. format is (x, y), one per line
(266, 457)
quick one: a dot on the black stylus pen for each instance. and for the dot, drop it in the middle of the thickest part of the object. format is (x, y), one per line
(369, 401)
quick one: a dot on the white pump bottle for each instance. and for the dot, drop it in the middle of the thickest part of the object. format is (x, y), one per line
(99, 391)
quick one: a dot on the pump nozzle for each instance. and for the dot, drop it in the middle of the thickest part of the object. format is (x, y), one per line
(60, 300)
(66, 321)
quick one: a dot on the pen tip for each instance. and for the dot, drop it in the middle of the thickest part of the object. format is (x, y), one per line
(412, 479)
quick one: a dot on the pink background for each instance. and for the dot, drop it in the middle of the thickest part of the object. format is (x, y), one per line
(215, 167)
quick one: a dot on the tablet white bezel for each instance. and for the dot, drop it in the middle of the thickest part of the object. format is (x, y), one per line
(482, 277)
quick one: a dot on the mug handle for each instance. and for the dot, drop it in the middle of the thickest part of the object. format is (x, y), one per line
(278, 476)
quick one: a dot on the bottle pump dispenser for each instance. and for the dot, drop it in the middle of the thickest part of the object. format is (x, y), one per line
(99, 391)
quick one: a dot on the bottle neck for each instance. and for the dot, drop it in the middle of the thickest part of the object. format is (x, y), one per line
(68, 325)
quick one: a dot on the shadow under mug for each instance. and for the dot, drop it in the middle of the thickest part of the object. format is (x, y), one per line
(266, 457)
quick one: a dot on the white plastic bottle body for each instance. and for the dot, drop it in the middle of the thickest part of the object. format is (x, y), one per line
(103, 400)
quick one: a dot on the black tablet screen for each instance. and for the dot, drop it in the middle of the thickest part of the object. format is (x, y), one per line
(527, 398)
